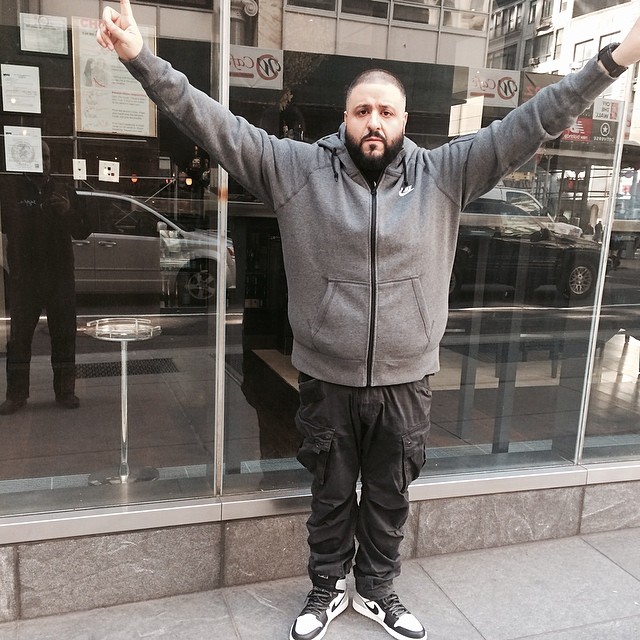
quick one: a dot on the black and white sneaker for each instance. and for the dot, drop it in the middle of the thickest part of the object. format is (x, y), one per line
(392, 615)
(323, 605)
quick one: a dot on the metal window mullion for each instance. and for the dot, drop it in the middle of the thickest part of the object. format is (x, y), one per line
(224, 33)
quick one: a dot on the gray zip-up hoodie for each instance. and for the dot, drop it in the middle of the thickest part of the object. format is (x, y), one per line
(367, 269)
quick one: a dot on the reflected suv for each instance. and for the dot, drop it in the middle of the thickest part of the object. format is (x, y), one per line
(132, 248)
(499, 243)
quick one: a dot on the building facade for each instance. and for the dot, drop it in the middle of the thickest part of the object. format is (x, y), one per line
(180, 461)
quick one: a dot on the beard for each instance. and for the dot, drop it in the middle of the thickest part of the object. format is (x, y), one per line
(370, 163)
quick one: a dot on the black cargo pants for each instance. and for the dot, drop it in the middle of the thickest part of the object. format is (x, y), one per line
(375, 433)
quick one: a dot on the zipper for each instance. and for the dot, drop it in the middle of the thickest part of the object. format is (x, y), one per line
(373, 281)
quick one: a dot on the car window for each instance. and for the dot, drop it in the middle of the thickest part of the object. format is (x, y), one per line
(524, 202)
(125, 218)
(146, 224)
(493, 207)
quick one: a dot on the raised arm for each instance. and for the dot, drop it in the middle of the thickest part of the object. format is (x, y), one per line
(628, 52)
(119, 32)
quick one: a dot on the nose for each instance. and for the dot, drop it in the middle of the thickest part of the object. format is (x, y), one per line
(374, 121)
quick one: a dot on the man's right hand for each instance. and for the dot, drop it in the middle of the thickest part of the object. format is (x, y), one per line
(119, 32)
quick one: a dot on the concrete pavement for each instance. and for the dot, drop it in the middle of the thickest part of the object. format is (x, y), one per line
(579, 588)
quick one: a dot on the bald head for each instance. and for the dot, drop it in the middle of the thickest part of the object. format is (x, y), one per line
(376, 76)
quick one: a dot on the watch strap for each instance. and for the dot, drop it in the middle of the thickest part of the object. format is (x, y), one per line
(608, 62)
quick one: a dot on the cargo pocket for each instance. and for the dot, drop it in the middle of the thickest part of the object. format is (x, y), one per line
(316, 445)
(414, 455)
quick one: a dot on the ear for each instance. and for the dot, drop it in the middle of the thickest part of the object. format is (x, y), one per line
(405, 117)
(344, 116)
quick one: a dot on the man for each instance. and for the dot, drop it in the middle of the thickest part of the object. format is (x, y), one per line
(39, 217)
(369, 223)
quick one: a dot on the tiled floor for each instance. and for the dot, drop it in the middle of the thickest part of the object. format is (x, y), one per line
(580, 588)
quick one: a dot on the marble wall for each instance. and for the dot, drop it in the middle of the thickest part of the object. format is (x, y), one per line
(57, 576)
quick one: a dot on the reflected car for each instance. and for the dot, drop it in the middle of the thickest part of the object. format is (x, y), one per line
(500, 244)
(132, 248)
(529, 205)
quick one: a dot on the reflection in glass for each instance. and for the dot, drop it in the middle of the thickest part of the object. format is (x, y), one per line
(149, 251)
(613, 428)
(373, 8)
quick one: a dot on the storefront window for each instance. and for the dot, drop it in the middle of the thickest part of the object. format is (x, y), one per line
(515, 356)
(540, 354)
(138, 243)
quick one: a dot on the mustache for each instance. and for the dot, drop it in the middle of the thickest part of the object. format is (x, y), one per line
(374, 134)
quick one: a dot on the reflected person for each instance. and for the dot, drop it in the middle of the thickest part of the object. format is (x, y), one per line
(369, 224)
(39, 217)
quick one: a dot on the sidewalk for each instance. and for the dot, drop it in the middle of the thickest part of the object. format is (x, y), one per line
(580, 588)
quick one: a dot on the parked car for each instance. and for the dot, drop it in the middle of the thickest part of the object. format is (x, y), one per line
(499, 243)
(132, 248)
(529, 205)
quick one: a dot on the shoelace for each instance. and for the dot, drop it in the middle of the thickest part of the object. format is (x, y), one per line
(318, 600)
(391, 604)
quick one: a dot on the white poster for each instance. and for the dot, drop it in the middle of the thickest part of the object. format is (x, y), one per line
(23, 149)
(498, 87)
(107, 98)
(254, 67)
(607, 109)
(20, 88)
(44, 34)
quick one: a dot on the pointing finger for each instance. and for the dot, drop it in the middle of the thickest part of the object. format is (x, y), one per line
(125, 8)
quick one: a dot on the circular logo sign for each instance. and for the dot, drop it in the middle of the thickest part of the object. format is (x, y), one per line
(268, 67)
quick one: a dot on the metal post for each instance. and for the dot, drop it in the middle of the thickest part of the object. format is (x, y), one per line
(124, 438)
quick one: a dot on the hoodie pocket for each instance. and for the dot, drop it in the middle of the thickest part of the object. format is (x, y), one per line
(342, 324)
(404, 324)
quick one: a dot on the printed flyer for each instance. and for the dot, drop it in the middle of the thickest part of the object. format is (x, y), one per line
(108, 99)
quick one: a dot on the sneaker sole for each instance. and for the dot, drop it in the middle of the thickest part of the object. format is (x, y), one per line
(361, 608)
(331, 615)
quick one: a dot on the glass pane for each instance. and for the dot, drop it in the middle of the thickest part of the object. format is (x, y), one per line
(513, 358)
(613, 429)
(464, 20)
(415, 14)
(365, 8)
(328, 5)
(112, 253)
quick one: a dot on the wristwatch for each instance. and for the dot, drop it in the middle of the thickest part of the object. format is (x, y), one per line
(608, 62)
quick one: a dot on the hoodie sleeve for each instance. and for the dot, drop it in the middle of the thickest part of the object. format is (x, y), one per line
(248, 153)
(471, 165)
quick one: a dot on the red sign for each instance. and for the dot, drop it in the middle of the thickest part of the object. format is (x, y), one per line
(580, 131)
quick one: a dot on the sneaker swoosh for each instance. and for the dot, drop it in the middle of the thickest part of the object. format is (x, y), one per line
(335, 605)
(373, 607)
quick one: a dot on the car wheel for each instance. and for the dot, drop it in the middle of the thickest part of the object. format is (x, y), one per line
(579, 281)
(197, 283)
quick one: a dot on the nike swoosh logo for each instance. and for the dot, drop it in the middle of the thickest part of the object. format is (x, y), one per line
(335, 605)
(372, 606)
(405, 190)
